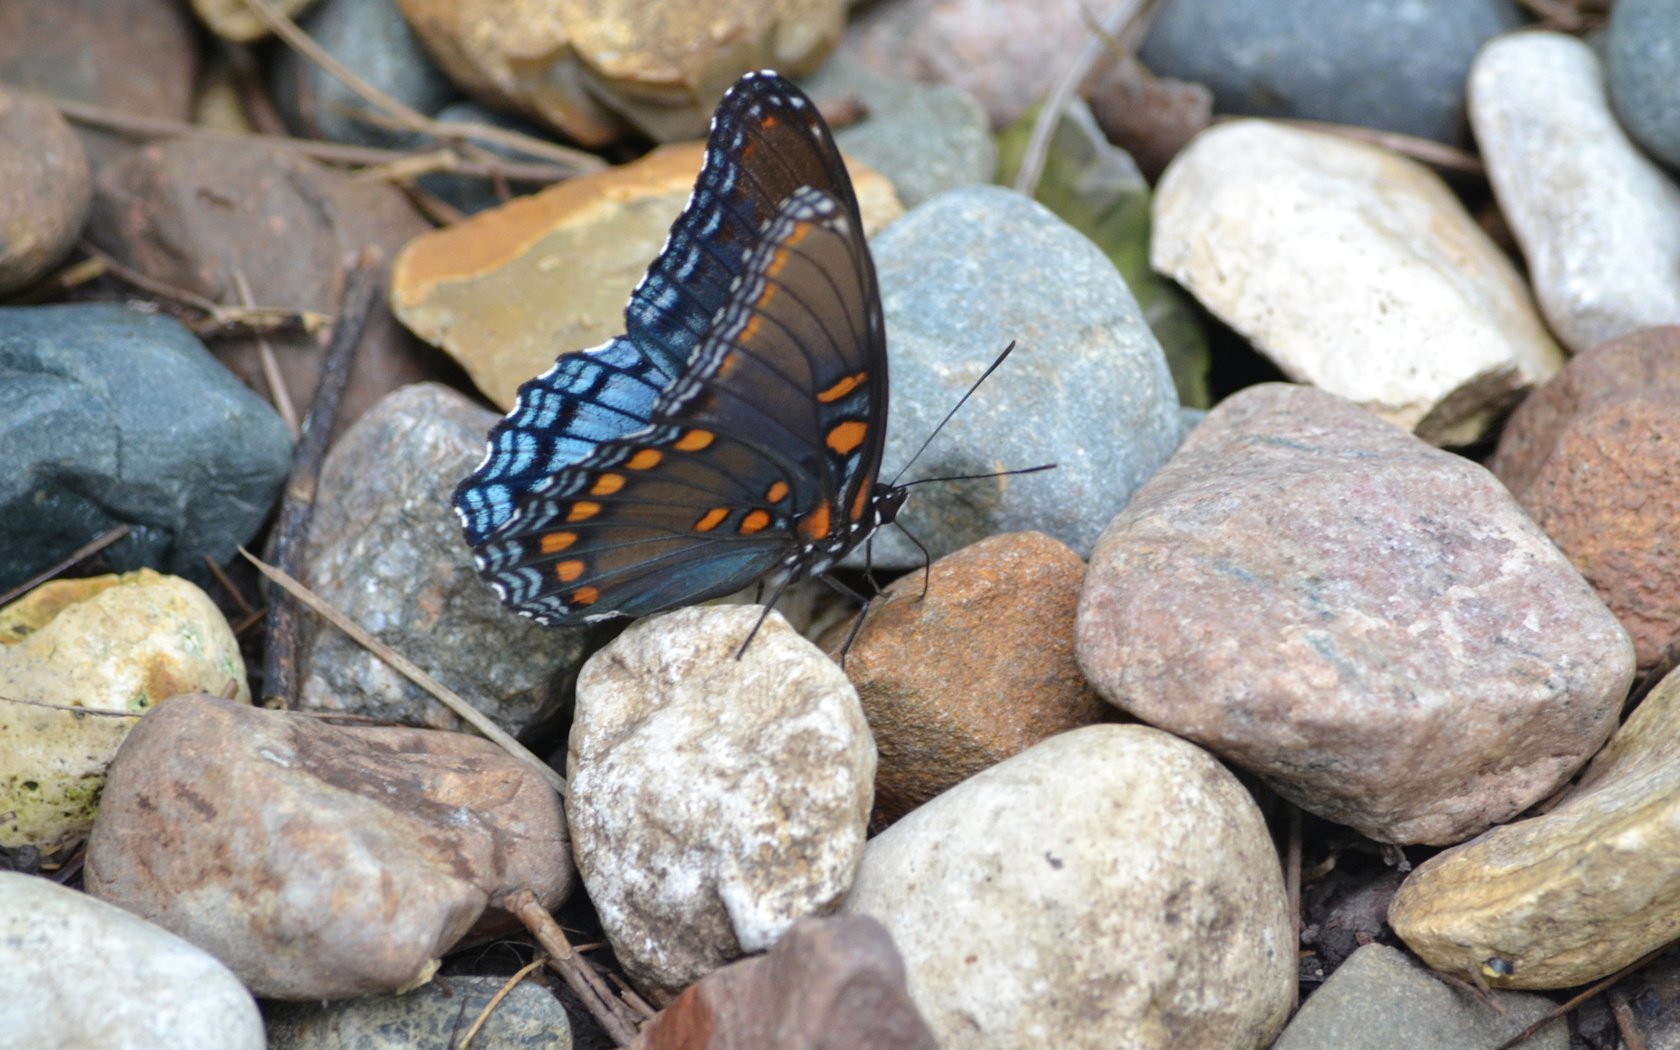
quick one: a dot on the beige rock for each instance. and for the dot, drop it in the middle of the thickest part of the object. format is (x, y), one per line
(505, 290)
(47, 185)
(1111, 888)
(1356, 271)
(234, 20)
(112, 645)
(1598, 221)
(320, 861)
(714, 801)
(1577, 893)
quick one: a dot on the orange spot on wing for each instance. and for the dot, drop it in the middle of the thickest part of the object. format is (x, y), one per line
(709, 520)
(860, 501)
(845, 437)
(585, 596)
(583, 509)
(777, 492)
(607, 484)
(842, 388)
(555, 542)
(568, 571)
(814, 526)
(694, 441)
(753, 522)
(647, 457)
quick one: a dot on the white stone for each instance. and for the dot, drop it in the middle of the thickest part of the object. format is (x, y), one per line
(1355, 270)
(1110, 888)
(1598, 222)
(714, 801)
(83, 973)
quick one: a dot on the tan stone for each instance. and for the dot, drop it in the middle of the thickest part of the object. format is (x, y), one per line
(115, 645)
(1577, 893)
(507, 289)
(233, 19)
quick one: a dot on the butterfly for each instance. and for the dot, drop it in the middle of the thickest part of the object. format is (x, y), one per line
(733, 433)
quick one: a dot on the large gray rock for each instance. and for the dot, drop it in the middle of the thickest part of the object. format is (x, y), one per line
(1370, 624)
(1087, 387)
(110, 417)
(1644, 66)
(431, 1016)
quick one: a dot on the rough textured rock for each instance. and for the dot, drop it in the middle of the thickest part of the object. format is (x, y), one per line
(1644, 73)
(435, 1015)
(1116, 863)
(320, 862)
(961, 276)
(1399, 67)
(1594, 457)
(152, 989)
(80, 661)
(1576, 893)
(1370, 624)
(1599, 224)
(165, 210)
(714, 800)
(47, 189)
(506, 290)
(385, 548)
(829, 984)
(1354, 270)
(1381, 998)
(979, 669)
(111, 417)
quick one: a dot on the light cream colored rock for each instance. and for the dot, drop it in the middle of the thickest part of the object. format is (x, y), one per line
(112, 645)
(1577, 893)
(1598, 222)
(1111, 888)
(714, 801)
(83, 973)
(1356, 271)
(509, 288)
(234, 20)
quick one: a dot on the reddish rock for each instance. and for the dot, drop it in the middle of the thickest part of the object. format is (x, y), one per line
(1150, 117)
(198, 213)
(1594, 457)
(1370, 624)
(316, 861)
(830, 984)
(980, 669)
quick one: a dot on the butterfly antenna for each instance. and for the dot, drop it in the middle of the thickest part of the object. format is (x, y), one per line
(978, 477)
(993, 367)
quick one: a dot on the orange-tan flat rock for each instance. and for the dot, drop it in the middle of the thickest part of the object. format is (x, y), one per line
(510, 289)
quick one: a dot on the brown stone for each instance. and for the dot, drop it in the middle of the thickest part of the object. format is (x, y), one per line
(507, 289)
(198, 214)
(1150, 117)
(47, 192)
(317, 861)
(980, 669)
(1594, 457)
(829, 984)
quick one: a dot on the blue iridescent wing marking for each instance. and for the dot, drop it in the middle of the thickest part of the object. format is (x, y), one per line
(622, 484)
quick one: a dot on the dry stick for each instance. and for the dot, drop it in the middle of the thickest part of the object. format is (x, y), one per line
(326, 152)
(245, 607)
(256, 317)
(406, 667)
(1627, 1025)
(1426, 150)
(86, 550)
(1556, 15)
(496, 1000)
(1112, 27)
(254, 101)
(1579, 998)
(291, 530)
(277, 391)
(462, 133)
(608, 1011)
(1292, 885)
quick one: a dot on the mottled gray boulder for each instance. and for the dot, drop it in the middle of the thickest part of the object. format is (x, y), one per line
(1644, 67)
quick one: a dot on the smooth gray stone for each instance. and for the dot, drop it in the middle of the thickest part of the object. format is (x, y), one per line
(110, 416)
(1643, 59)
(1374, 63)
(432, 1017)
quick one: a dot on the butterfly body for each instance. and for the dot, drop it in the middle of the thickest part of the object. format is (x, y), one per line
(733, 434)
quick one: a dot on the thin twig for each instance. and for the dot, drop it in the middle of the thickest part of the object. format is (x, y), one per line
(238, 599)
(1578, 998)
(1428, 151)
(223, 316)
(1292, 884)
(254, 100)
(86, 550)
(460, 132)
(1627, 1025)
(277, 391)
(406, 667)
(496, 1000)
(612, 1015)
(1112, 27)
(326, 152)
(71, 709)
(1556, 15)
(291, 529)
